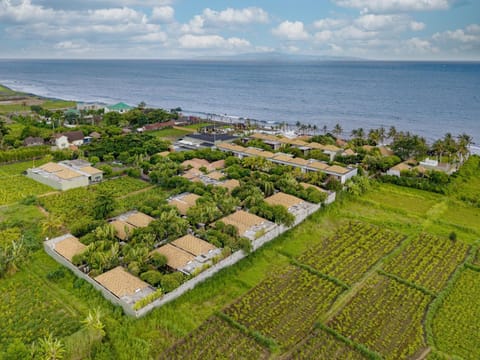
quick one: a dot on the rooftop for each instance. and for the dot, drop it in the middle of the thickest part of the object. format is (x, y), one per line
(283, 199)
(121, 228)
(120, 282)
(120, 106)
(229, 184)
(243, 221)
(69, 247)
(183, 202)
(210, 137)
(176, 257)
(193, 245)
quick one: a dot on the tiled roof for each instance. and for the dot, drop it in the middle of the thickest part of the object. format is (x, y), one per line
(306, 186)
(216, 175)
(120, 282)
(139, 219)
(120, 227)
(176, 258)
(338, 169)
(196, 163)
(69, 247)
(91, 170)
(193, 245)
(283, 199)
(229, 184)
(242, 220)
(184, 202)
(318, 165)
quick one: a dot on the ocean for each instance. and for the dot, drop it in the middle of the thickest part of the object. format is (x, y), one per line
(429, 98)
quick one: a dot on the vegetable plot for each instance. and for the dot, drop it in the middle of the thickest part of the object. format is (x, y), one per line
(387, 317)
(284, 307)
(350, 253)
(216, 339)
(428, 261)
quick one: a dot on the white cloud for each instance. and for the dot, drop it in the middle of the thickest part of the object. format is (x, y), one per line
(163, 14)
(395, 5)
(226, 18)
(291, 30)
(231, 16)
(323, 36)
(190, 41)
(115, 15)
(417, 46)
(469, 35)
(154, 37)
(417, 26)
(24, 11)
(329, 23)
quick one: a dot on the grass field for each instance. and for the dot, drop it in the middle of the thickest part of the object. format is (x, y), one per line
(170, 133)
(149, 337)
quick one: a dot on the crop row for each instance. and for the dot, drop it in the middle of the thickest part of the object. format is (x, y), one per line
(216, 339)
(30, 312)
(456, 325)
(428, 261)
(386, 316)
(351, 252)
(321, 344)
(285, 306)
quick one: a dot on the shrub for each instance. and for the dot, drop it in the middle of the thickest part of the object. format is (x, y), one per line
(56, 274)
(171, 281)
(153, 277)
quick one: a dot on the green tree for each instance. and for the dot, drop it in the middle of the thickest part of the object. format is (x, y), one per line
(337, 130)
(104, 204)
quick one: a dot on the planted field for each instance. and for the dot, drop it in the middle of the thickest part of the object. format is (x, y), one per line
(284, 307)
(77, 203)
(387, 317)
(29, 310)
(216, 339)
(456, 326)
(428, 261)
(322, 345)
(351, 252)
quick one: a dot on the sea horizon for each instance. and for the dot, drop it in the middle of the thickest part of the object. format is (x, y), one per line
(430, 98)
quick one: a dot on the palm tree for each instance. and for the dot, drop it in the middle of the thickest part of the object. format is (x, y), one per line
(315, 128)
(464, 142)
(381, 134)
(374, 136)
(438, 148)
(337, 130)
(324, 129)
(392, 132)
(268, 188)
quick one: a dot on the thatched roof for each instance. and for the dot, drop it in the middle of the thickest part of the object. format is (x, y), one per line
(120, 282)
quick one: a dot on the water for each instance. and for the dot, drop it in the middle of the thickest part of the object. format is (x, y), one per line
(427, 98)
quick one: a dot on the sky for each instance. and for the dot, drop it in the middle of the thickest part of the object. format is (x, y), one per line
(189, 29)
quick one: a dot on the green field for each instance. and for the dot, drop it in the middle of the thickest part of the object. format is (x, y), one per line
(288, 282)
(170, 133)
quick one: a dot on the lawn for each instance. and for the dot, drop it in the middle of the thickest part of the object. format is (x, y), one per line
(170, 133)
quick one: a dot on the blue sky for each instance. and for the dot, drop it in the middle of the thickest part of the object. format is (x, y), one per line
(372, 29)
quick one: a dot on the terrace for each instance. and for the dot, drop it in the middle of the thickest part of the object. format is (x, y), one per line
(293, 204)
(183, 202)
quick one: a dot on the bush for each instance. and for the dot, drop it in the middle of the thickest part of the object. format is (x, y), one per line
(56, 274)
(158, 260)
(453, 236)
(171, 281)
(153, 277)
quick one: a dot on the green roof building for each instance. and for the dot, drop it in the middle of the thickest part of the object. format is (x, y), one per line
(120, 108)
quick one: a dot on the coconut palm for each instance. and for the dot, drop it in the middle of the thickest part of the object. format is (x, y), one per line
(51, 225)
(93, 322)
(392, 132)
(337, 130)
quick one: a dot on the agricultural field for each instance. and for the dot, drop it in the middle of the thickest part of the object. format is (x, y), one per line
(31, 306)
(14, 186)
(216, 339)
(422, 258)
(456, 325)
(284, 306)
(322, 345)
(170, 133)
(387, 317)
(352, 251)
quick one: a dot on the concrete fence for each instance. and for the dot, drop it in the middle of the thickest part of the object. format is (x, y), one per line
(189, 285)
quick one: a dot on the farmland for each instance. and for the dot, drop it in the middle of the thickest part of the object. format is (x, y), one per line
(14, 186)
(284, 306)
(285, 294)
(351, 252)
(456, 325)
(214, 339)
(421, 259)
(387, 317)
